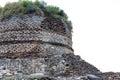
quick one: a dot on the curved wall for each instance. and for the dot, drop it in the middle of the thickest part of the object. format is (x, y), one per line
(24, 38)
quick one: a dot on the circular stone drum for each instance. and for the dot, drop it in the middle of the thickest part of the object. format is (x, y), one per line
(25, 41)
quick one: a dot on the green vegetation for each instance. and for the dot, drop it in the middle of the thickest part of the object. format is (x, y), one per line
(28, 7)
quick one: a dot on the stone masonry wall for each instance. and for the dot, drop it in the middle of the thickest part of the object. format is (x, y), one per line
(26, 50)
(32, 45)
(24, 66)
(25, 43)
(29, 36)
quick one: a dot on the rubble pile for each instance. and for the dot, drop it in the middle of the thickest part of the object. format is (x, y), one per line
(110, 76)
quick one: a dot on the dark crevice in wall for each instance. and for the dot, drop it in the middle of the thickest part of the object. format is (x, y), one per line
(32, 41)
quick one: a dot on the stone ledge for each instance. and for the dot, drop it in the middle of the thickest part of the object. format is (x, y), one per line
(26, 35)
(32, 49)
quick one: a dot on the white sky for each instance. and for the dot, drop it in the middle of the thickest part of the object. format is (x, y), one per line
(96, 30)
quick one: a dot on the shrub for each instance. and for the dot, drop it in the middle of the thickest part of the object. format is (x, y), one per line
(69, 23)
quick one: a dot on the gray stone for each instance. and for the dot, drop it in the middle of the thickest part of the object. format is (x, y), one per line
(93, 77)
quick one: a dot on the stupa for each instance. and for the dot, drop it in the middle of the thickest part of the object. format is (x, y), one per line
(37, 40)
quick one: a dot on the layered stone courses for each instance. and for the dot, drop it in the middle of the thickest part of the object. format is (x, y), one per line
(25, 41)
(32, 35)
(33, 22)
(34, 44)
(22, 50)
(25, 35)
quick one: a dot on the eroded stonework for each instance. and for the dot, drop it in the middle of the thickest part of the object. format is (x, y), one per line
(35, 46)
(29, 35)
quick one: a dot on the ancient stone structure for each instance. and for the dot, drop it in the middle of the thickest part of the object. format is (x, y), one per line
(41, 47)
(34, 44)
(21, 37)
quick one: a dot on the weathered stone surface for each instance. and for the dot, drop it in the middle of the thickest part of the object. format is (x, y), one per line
(34, 35)
(93, 77)
(34, 22)
(22, 50)
(40, 48)
(50, 65)
(110, 76)
(27, 36)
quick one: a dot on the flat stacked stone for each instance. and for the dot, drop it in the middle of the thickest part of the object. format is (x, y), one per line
(21, 36)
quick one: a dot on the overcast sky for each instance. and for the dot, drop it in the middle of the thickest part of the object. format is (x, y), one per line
(96, 30)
